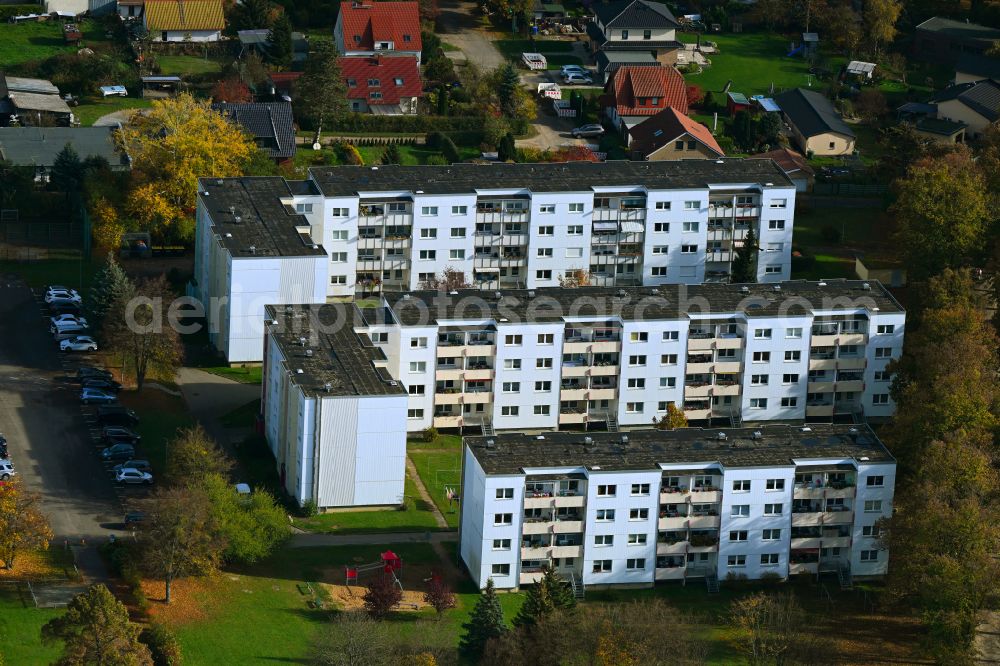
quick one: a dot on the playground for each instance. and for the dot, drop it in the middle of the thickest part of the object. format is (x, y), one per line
(352, 580)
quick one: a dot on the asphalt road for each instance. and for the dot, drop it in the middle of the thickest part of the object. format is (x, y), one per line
(49, 441)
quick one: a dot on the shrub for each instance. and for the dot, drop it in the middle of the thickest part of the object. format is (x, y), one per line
(429, 434)
(434, 140)
(733, 577)
(802, 262)
(162, 644)
(449, 150)
(6, 11)
(363, 122)
(309, 509)
(437, 160)
(770, 578)
(348, 154)
(830, 234)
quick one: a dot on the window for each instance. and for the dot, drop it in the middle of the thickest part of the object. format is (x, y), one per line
(692, 205)
(548, 209)
(661, 249)
(511, 387)
(338, 257)
(546, 231)
(505, 493)
(458, 232)
(769, 559)
(541, 410)
(637, 382)
(576, 208)
(789, 402)
(637, 360)
(512, 364)
(574, 230)
(429, 211)
(624, 34)
(661, 227)
(885, 329)
(689, 227)
(882, 376)
(304, 208)
(758, 380)
(338, 279)
(604, 539)
(380, 338)
(762, 334)
(417, 389)
(792, 356)
(605, 515)
(639, 489)
(422, 277)
(638, 514)
(456, 254)
(543, 387)
(574, 252)
(668, 382)
(459, 210)
(774, 484)
(762, 357)
(668, 359)
(501, 569)
(503, 518)
(662, 205)
(671, 336)
(880, 399)
(428, 255)
(501, 544)
(602, 566)
(740, 511)
(658, 271)
(635, 563)
(634, 407)
(869, 556)
(374, 83)
(793, 333)
(873, 531)
(638, 336)
(510, 410)
(770, 535)
(545, 252)
(543, 275)
(339, 235)
(883, 352)
(606, 490)
(339, 212)
(689, 249)
(758, 403)
(873, 506)
(738, 535)
(512, 340)
(776, 225)
(418, 366)
(789, 379)
(637, 539)
(772, 509)
(875, 481)
(737, 560)
(543, 363)
(353, 83)
(428, 233)
(414, 413)
(741, 486)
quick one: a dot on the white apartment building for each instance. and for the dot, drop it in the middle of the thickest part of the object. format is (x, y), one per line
(649, 506)
(553, 359)
(251, 249)
(333, 417)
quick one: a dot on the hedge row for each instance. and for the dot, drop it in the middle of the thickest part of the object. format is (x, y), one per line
(6, 11)
(363, 122)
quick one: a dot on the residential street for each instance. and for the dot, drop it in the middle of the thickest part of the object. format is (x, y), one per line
(458, 25)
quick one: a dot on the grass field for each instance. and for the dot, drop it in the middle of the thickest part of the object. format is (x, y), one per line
(241, 417)
(92, 109)
(417, 517)
(160, 415)
(557, 53)
(409, 155)
(753, 62)
(21, 42)
(184, 65)
(20, 638)
(245, 375)
(448, 442)
(864, 231)
(439, 469)
(66, 267)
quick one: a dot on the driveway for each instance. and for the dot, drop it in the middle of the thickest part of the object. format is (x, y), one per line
(49, 441)
(458, 25)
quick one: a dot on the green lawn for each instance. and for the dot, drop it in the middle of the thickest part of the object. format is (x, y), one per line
(513, 48)
(185, 65)
(21, 42)
(242, 417)
(440, 469)
(20, 637)
(410, 155)
(92, 109)
(442, 441)
(753, 62)
(67, 267)
(864, 231)
(417, 517)
(160, 415)
(243, 375)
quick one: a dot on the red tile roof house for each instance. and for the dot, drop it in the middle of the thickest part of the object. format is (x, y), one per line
(635, 93)
(387, 28)
(670, 135)
(384, 86)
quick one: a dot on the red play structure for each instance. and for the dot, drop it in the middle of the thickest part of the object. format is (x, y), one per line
(389, 562)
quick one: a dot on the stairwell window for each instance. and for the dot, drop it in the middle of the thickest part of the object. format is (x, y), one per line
(736, 561)
(869, 556)
(605, 490)
(875, 481)
(776, 225)
(873, 506)
(501, 570)
(501, 544)
(502, 519)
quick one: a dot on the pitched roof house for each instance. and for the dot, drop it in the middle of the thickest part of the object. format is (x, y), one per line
(382, 86)
(634, 25)
(795, 166)
(971, 68)
(366, 28)
(816, 125)
(942, 39)
(31, 102)
(975, 104)
(184, 20)
(635, 92)
(38, 147)
(269, 123)
(670, 135)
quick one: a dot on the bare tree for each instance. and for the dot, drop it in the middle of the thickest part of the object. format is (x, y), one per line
(575, 277)
(137, 325)
(451, 279)
(770, 629)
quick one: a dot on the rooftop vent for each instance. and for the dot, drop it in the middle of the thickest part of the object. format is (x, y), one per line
(453, 293)
(777, 287)
(866, 286)
(622, 293)
(491, 443)
(253, 249)
(864, 458)
(504, 319)
(744, 289)
(757, 434)
(299, 371)
(374, 168)
(587, 441)
(219, 181)
(419, 192)
(328, 387)
(806, 429)
(232, 210)
(302, 342)
(531, 293)
(309, 353)
(821, 284)
(498, 295)
(289, 309)
(722, 436)
(624, 440)
(393, 382)
(406, 297)
(228, 235)
(540, 437)
(852, 429)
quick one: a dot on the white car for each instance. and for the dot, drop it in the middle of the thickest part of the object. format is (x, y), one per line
(79, 343)
(132, 475)
(67, 319)
(68, 295)
(6, 470)
(114, 91)
(572, 69)
(578, 79)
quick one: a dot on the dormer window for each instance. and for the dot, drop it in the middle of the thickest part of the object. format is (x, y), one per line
(352, 83)
(375, 95)
(655, 101)
(399, 81)
(383, 46)
(374, 83)
(647, 34)
(624, 34)
(406, 38)
(357, 39)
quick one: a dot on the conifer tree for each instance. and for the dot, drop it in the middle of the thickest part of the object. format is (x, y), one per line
(485, 623)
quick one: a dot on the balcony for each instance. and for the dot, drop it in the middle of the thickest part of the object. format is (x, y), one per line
(537, 527)
(851, 338)
(477, 397)
(705, 496)
(822, 363)
(675, 548)
(447, 421)
(726, 389)
(672, 522)
(697, 390)
(806, 542)
(824, 339)
(572, 418)
(481, 374)
(567, 551)
(567, 526)
(807, 519)
(601, 394)
(835, 542)
(852, 386)
(700, 343)
(573, 394)
(808, 492)
(446, 397)
(838, 517)
(670, 573)
(728, 341)
(819, 410)
(698, 367)
(535, 553)
(447, 351)
(699, 414)
(727, 367)
(803, 568)
(848, 363)
(703, 522)
(530, 576)
(448, 373)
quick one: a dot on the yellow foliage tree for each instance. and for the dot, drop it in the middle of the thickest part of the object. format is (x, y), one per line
(108, 229)
(173, 145)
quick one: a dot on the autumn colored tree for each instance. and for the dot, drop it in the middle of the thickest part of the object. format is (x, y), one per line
(880, 17)
(107, 228)
(250, 527)
(486, 623)
(381, 596)
(194, 455)
(173, 145)
(870, 104)
(439, 595)
(450, 280)
(572, 154)
(232, 90)
(96, 630)
(695, 96)
(770, 629)
(23, 526)
(500, 93)
(674, 418)
(574, 277)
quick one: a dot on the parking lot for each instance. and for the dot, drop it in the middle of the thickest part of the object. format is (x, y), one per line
(53, 440)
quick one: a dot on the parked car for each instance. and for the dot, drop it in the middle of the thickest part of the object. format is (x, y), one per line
(67, 332)
(103, 385)
(591, 130)
(133, 476)
(60, 287)
(66, 318)
(116, 415)
(65, 327)
(63, 296)
(120, 434)
(134, 517)
(92, 396)
(3, 447)
(6, 470)
(577, 79)
(85, 372)
(120, 451)
(78, 343)
(573, 69)
(64, 305)
(139, 464)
